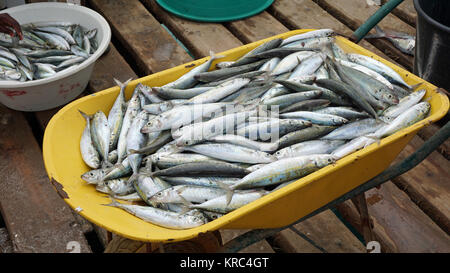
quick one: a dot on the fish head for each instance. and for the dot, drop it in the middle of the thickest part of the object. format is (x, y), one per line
(161, 196)
(93, 176)
(325, 160)
(390, 98)
(151, 125)
(281, 154)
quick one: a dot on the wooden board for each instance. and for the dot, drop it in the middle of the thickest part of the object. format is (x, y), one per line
(398, 224)
(326, 231)
(429, 131)
(258, 247)
(298, 14)
(355, 13)
(36, 217)
(5, 241)
(257, 27)
(405, 11)
(197, 37)
(428, 184)
(142, 36)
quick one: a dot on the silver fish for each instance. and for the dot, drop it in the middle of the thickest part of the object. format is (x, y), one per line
(161, 217)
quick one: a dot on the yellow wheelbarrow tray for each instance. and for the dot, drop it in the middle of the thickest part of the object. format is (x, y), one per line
(64, 165)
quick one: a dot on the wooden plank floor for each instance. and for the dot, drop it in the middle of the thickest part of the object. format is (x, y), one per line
(145, 45)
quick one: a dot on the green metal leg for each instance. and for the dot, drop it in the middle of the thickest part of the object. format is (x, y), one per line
(374, 20)
(407, 164)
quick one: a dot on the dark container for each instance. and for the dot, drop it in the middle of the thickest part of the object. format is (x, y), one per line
(432, 53)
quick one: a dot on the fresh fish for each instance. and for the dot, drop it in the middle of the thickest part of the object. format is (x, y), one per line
(54, 40)
(306, 105)
(245, 142)
(224, 73)
(249, 56)
(352, 146)
(222, 204)
(212, 181)
(311, 43)
(291, 61)
(188, 80)
(316, 118)
(88, 151)
(94, 176)
(308, 66)
(270, 64)
(202, 131)
(100, 134)
(351, 92)
(133, 108)
(136, 139)
(58, 31)
(272, 129)
(355, 129)
(407, 118)
(120, 186)
(315, 131)
(379, 67)
(116, 115)
(167, 161)
(187, 194)
(284, 101)
(308, 35)
(215, 168)
(345, 112)
(173, 93)
(309, 148)
(161, 217)
(231, 153)
(404, 42)
(404, 104)
(283, 170)
(179, 116)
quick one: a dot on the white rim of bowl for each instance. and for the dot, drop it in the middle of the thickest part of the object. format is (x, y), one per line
(64, 73)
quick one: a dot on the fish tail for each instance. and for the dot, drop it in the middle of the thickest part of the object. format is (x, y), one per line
(379, 33)
(122, 85)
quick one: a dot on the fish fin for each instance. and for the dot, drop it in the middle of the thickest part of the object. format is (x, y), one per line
(214, 56)
(155, 90)
(378, 140)
(185, 202)
(415, 86)
(113, 203)
(107, 164)
(185, 209)
(132, 151)
(230, 192)
(86, 116)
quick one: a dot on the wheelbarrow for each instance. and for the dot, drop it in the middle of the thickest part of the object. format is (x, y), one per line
(265, 216)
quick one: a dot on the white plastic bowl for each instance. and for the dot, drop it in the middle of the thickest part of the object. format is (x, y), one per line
(67, 84)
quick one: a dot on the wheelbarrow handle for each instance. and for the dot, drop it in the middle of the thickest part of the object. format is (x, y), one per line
(393, 171)
(373, 20)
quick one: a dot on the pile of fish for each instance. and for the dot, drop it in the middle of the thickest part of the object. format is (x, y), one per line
(214, 140)
(46, 48)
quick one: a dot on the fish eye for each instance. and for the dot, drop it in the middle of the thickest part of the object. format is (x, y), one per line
(91, 174)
